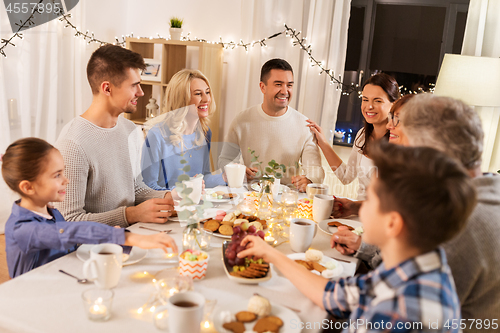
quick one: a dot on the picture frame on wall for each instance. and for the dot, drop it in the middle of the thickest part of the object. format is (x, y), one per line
(152, 71)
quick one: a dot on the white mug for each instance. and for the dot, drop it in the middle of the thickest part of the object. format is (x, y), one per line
(196, 183)
(322, 207)
(104, 266)
(185, 312)
(235, 174)
(314, 188)
(302, 232)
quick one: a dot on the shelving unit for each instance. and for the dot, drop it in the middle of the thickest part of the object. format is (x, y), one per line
(174, 57)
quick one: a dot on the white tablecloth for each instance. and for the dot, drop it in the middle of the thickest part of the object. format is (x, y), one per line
(45, 300)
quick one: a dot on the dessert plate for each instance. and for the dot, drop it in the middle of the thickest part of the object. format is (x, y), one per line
(286, 315)
(323, 225)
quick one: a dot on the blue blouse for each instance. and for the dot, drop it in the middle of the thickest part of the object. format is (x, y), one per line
(160, 161)
(32, 240)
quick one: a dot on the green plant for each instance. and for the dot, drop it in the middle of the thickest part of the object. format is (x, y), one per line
(272, 171)
(176, 22)
(191, 216)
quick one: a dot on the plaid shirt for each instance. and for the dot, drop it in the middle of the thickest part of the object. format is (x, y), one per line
(416, 296)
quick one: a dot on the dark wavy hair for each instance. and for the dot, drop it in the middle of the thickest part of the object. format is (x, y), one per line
(391, 88)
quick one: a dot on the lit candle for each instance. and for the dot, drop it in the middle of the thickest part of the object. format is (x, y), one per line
(203, 245)
(173, 291)
(98, 312)
(269, 240)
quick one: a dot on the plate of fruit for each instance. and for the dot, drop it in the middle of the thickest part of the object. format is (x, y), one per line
(222, 225)
(244, 270)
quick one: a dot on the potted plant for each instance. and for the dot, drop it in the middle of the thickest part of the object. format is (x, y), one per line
(175, 28)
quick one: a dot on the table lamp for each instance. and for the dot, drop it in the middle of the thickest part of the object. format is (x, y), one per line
(476, 81)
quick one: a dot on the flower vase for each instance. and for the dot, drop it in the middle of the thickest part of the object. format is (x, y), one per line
(191, 237)
(265, 208)
(195, 238)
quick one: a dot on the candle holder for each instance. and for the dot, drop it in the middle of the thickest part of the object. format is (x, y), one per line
(97, 303)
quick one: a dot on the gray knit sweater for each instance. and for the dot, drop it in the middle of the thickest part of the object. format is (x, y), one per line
(473, 256)
(101, 164)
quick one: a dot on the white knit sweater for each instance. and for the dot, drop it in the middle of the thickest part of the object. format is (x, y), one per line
(286, 139)
(101, 165)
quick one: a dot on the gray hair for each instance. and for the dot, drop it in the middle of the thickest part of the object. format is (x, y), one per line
(446, 124)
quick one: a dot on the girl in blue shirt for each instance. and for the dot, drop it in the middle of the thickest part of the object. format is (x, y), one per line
(182, 132)
(36, 233)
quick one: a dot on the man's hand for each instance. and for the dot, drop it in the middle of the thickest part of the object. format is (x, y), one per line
(152, 210)
(251, 172)
(156, 241)
(345, 241)
(300, 182)
(343, 207)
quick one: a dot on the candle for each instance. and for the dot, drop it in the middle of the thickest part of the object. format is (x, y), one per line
(269, 240)
(98, 312)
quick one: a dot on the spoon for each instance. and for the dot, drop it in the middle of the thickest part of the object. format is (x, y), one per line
(77, 279)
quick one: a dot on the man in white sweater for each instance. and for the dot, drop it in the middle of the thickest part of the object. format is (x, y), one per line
(275, 131)
(100, 150)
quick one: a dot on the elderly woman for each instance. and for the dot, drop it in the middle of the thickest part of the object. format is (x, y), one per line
(453, 127)
(182, 132)
(379, 92)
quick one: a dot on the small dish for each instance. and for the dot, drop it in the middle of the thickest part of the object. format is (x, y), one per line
(323, 225)
(286, 315)
(136, 255)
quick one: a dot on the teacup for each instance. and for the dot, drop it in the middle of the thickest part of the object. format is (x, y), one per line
(322, 207)
(185, 312)
(104, 266)
(302, 232)
(196, 183)
(315, 188)
(235, 174)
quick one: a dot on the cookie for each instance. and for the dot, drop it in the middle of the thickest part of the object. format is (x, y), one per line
(226, 230)
(229, 196)
(235, 326)
(338, 224)
(275, 320)
(304, 263)
(245, 316)
(229, 223)
(174, 214)
(318, 267)
(265, 325)
(211, 225)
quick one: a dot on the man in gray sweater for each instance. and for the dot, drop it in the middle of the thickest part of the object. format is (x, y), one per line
(100, 149)
(474, 255)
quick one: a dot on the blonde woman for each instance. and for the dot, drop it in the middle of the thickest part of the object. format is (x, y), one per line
(181, 132)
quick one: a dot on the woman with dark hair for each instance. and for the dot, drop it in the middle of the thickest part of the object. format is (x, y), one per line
(379, 93)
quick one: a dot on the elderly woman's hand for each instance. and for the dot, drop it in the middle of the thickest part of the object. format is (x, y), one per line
(345, 241)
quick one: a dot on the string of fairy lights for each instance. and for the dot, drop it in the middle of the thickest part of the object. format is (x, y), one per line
(294, 35)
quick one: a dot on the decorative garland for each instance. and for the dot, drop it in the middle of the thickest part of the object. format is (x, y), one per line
(289, 32)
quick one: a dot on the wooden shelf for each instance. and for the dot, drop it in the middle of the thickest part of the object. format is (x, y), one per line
(174, 55)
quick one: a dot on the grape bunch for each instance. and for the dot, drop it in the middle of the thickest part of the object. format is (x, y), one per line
(235, 247)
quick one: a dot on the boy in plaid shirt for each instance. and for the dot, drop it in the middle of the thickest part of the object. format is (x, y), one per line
(419, 199)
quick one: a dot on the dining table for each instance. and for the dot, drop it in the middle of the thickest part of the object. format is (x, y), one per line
(45, 300)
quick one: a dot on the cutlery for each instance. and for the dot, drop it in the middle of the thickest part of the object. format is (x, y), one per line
(165, 231)
(77, 279)
(343, 260)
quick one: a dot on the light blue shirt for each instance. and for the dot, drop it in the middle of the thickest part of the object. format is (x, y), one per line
(161, 160)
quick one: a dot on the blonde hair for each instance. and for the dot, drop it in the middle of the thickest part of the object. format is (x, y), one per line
(177, 98)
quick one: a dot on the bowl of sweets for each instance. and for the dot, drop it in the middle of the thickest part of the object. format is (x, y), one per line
(193, 264)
